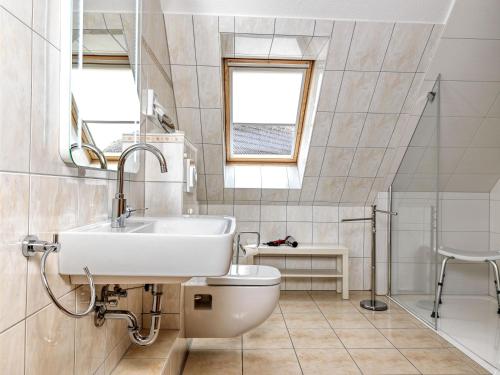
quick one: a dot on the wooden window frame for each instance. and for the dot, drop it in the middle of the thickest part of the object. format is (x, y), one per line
(227, 62)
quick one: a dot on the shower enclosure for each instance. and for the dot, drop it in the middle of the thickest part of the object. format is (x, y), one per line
(446, 193)
(415, 197)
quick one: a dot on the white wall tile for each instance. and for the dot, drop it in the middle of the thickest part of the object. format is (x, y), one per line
(339, 45)
(209, 86)
(226, 24)
(391, 92)
(368, 46)
(206, 33)
(211, 123)
(406, 47)
(329, 189)
(185, 85)
(299, 213)
(346, 129)
(366, 162)
(294, 26)
(325, 214)
(377, 130)
(323, 28)
(180, 39)
(314, 161)
(356, 91)
(273, 213)
(254, 25)
(356, 189)
(329, 90)
(190, 123)
(15, 93)
(321, 129)
(337, 161)
(213, 159)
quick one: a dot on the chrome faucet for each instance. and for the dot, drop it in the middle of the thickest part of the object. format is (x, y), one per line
(119, 208)
(96, 150)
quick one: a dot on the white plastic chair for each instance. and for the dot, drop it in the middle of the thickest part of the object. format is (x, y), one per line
(467, 256)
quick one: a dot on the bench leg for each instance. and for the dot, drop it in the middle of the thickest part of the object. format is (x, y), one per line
(345, 278)
(435, 312)
(497, 281)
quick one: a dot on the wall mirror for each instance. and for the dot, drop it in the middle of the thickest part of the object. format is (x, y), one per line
(100, 107)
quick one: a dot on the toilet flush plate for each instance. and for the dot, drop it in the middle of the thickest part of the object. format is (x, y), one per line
(149, 250)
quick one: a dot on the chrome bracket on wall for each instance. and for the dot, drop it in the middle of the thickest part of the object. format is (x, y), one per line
(32, 245)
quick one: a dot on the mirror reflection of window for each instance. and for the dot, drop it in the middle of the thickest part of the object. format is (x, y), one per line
(108, 106)
(105, 102)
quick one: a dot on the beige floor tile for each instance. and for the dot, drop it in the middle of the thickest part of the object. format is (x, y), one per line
(327, 362)
(306, 320)
(309, 338)
(438, 361)
(362, 338)
(159, 349)
(295, 295)
(339, 307)
(353, 320)
(476, 366)
(233, 343)
(420, 338)
(382, 361)
(381, 320)
(213, 362)
(270, 362)
(274, 320)
(143, 366)
(298, 306)
(326, 295)
(267, 338)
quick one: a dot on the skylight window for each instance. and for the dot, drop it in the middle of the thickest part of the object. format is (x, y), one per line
(265, 105)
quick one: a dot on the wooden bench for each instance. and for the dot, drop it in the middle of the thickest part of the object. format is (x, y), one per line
(330, 250)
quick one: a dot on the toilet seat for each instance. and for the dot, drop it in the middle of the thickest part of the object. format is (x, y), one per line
(247, 275)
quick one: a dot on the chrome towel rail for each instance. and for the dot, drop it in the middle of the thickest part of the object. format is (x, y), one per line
(32, 245)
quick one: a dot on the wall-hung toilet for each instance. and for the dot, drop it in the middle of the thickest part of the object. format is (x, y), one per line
(230, 305)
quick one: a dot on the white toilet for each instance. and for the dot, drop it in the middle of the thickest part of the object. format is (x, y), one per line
(230, 305)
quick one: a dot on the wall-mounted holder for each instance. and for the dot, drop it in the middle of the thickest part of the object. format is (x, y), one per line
(32, 245)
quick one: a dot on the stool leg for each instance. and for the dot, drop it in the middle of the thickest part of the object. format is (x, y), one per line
(497, 281)
(435, 312)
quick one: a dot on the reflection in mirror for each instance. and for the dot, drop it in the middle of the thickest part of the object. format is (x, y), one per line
(105, 107)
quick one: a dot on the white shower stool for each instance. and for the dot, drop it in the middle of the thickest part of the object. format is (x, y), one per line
(467, 256)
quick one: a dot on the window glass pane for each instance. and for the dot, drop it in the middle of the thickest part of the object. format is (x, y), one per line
(108, 137)
(266, 96)
(105, 94)
(251, 139)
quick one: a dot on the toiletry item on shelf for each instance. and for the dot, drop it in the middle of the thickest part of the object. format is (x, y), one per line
(288, 241)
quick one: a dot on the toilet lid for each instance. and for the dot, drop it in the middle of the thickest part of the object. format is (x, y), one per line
(248, 275)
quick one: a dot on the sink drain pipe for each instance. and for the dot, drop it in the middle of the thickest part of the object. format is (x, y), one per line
(133, 326)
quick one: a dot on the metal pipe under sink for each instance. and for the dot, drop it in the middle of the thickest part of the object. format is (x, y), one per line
(133, 325)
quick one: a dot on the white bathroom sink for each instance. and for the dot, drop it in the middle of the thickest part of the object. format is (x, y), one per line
(149, 250)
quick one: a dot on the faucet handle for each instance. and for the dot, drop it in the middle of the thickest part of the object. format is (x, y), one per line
(130, 211)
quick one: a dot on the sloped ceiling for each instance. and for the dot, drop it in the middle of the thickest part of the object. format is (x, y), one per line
(468, 59)
(372, 79)
(427, 11)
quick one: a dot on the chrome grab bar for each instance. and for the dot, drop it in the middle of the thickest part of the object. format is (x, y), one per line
(32, 245)
(239, 246)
